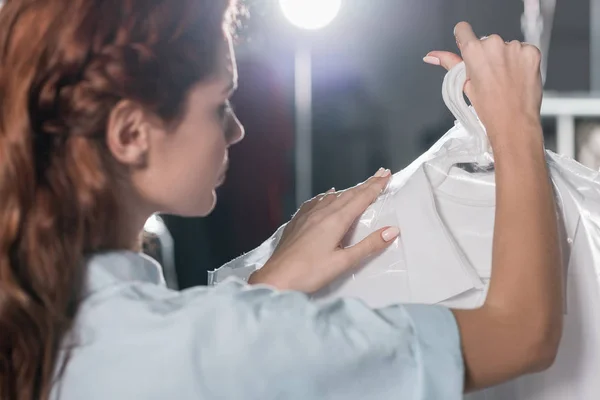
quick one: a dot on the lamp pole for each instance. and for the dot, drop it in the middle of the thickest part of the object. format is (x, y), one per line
(304, 120)
(308, 15)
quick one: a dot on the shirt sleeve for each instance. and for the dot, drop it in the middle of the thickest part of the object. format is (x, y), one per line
(240, 342)
(280, 345)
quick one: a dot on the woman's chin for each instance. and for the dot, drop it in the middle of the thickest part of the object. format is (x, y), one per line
(200, 209)
(208, 205)
(213, 201)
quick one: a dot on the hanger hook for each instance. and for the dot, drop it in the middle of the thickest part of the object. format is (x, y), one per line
(453, 94)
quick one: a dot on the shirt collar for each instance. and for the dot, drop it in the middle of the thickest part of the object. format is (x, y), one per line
(110, 268)
(440, 270)
(437, 267)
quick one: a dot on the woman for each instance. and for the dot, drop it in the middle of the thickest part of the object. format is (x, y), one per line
(115, 109)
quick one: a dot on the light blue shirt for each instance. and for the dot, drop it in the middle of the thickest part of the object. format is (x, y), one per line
(136, 339)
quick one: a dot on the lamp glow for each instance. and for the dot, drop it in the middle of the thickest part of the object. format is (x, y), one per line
(310, 14)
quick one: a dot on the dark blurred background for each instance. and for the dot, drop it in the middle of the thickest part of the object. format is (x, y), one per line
(375, 103)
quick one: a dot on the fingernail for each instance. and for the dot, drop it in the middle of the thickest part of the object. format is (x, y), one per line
(390, 234)
(379, 173)
(385, 173)
(330, 190)
(432, 60)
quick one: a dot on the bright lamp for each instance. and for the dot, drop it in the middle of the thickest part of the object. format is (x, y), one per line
(310, 14)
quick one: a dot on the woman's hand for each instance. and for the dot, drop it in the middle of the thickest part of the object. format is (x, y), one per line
(504, 82)
(309, 255)
(521, 319)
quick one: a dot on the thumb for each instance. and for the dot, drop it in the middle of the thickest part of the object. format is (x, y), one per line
(448, 60)
(444, 58)
(372, 244)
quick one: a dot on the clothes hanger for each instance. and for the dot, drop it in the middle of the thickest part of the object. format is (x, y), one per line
(473, 152)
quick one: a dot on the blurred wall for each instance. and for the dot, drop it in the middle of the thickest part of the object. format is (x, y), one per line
(383, 42)
(392, 37)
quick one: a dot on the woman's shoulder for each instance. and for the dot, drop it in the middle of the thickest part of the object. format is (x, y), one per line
(135, 338)
(131, 285)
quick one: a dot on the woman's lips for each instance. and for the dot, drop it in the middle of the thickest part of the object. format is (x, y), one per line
(223, 175)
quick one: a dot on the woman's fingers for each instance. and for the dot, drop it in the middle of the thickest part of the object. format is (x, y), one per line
(308, 257)
(447, 60)
(311, 205)
(444, 58)
(346, 196)
(372, 244)
(329, 197)
(465, 37)
(356, 200)
(347, 205)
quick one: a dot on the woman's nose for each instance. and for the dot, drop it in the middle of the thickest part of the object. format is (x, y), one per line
(236, 131)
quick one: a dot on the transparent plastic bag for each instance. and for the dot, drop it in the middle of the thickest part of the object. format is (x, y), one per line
(444, 204)
(388, 269)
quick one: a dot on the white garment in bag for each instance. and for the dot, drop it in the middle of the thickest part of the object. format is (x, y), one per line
(443, 256)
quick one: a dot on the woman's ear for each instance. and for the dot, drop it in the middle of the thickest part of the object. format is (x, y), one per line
(128, 134)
